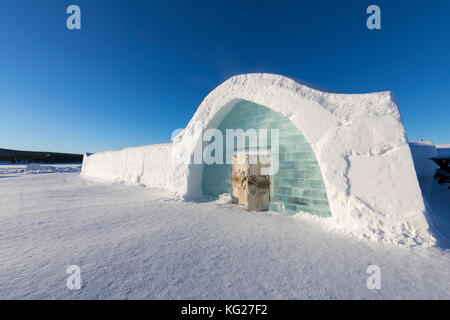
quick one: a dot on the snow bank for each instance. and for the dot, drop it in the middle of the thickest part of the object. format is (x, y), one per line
(421, 152)
(359, 141)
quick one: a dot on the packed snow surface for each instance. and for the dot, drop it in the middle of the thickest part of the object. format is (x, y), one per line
(138, 243)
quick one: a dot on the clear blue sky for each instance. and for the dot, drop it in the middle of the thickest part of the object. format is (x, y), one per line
(139, 69)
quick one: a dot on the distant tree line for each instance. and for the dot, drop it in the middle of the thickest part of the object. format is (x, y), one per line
(16, 156)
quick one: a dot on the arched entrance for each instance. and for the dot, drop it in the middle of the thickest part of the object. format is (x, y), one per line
(298, 182)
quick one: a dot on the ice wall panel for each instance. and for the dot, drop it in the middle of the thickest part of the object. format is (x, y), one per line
(298, 182)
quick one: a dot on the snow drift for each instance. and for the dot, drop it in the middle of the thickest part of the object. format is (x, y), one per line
(358, 139)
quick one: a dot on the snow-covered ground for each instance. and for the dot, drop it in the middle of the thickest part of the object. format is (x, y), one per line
(132, 242)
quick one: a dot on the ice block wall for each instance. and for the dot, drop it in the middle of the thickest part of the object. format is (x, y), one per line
(298, 182)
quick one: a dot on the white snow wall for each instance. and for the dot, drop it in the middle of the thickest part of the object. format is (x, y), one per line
(359, 141)
(147, 165)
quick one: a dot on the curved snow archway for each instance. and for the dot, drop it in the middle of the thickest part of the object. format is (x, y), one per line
(297, 182)
(358, 139)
